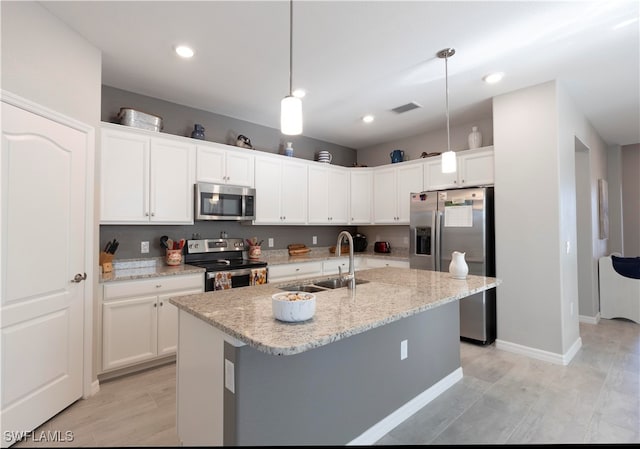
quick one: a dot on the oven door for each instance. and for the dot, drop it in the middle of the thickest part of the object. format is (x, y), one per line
(223, 202)
(223, 280)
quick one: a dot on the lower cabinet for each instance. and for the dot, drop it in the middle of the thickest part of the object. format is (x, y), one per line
(289, 271)
(331, 266)
(139, 323)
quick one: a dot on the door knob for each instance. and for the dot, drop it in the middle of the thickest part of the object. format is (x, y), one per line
(79, 278)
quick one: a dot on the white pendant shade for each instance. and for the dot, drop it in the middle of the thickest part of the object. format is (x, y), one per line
(449, 162)
(291, 116)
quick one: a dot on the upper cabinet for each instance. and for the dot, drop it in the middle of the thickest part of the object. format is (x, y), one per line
(145, 179)
(360, 195)
(391, 188)
(281, 190)
(218, 165)
(475, 167)
(328, 194)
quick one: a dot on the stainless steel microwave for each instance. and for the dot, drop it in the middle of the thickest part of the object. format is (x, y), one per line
(224, 202)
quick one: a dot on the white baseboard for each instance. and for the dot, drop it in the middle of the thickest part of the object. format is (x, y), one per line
(384, 426)
(559, 359)
(95, 387)
(589, 319)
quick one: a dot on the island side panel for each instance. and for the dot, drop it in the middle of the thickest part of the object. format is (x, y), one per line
(200, 382)
(332, 394)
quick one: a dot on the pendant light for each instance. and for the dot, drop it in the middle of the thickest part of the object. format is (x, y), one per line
(448, 160)
(290, 106)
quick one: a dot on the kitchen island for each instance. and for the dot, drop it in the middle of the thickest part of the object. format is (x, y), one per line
(367, 360)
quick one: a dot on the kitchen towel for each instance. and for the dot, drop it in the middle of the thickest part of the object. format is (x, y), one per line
(258, 276)
(222, 281)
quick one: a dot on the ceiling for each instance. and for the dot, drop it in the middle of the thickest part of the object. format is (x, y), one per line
(368, 57)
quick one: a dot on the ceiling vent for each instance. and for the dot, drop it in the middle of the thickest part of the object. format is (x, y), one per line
(406, 107)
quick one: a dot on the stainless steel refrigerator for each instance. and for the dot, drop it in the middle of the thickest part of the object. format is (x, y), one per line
(445, 221)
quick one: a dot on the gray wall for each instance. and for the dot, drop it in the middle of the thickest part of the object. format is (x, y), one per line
(631, 199)
(130, 236)
(430, 142)
(614, 176)
(179, 120)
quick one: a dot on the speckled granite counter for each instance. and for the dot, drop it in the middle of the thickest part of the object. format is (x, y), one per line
(130, 269)
(281, 256)
(390, 295)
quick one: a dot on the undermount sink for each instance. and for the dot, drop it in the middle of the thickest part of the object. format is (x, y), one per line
(302, 288)
(320, 285)
(337, 283)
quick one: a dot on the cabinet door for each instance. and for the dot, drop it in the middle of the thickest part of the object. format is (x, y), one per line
(129, 331)
(360, 196)
(268, 185)
(124, 179)
(409, 180)
(240, 168)
(476, 168)
(434, 179)
(172, 177)
(338, 200)
(384, 196)
(210, 165)
(318, 195)
(293, 199)
(168, 322)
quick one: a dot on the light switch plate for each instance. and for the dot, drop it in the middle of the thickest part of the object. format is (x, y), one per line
(144, 247)
(315, 240)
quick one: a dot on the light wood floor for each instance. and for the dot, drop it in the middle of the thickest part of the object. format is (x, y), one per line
(503, 398)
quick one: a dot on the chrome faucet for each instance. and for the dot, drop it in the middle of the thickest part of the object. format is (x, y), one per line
(351, 277)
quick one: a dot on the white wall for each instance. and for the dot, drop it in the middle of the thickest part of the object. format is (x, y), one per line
(631, 199)
(527, 215)
(431, 142)
(535, 131)
(44, 61)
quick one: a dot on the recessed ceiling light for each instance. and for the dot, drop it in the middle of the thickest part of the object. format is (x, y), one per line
(493, 78)
(299, 93)
(368, 118)
(184, 51)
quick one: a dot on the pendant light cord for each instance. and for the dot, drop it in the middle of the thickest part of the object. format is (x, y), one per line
(291, 47)
(446, 80)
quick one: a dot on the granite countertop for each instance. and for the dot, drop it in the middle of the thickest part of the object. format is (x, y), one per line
(131, 269)
(390, 295)
(281, 256)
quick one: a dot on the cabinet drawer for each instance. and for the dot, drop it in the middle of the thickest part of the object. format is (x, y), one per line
(378, 263)
(331, 266)
(294, 270)
(154, 286)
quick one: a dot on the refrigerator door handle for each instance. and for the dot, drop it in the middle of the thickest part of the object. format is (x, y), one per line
(438, 240)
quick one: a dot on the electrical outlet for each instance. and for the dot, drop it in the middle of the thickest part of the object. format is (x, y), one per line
(229, 376)
(568, 246)
(404, 349)
(144, 247)
(315, 239)
(270, 242)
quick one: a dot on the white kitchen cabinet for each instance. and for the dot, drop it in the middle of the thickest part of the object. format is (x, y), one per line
(328, 191)
(475, 167)
(377, 262)
(218, 165)
(281, 190)
(391, 189)
(139, 323)
(331, 266)
(297, 270)
(145, 179)
(360, 195)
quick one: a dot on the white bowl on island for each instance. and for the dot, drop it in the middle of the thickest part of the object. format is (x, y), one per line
(293, 306)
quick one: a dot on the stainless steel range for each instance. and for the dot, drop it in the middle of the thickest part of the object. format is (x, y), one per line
(226, 263)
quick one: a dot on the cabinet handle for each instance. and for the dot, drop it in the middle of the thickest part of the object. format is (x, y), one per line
(161, 304)
(158, 285)
(146, 214)
(153, 214)
(155, 304)
(79, 278)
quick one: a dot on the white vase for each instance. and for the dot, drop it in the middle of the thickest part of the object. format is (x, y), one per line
(458, 266)
(475, 138)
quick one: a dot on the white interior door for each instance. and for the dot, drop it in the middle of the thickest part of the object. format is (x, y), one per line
(42, 169)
